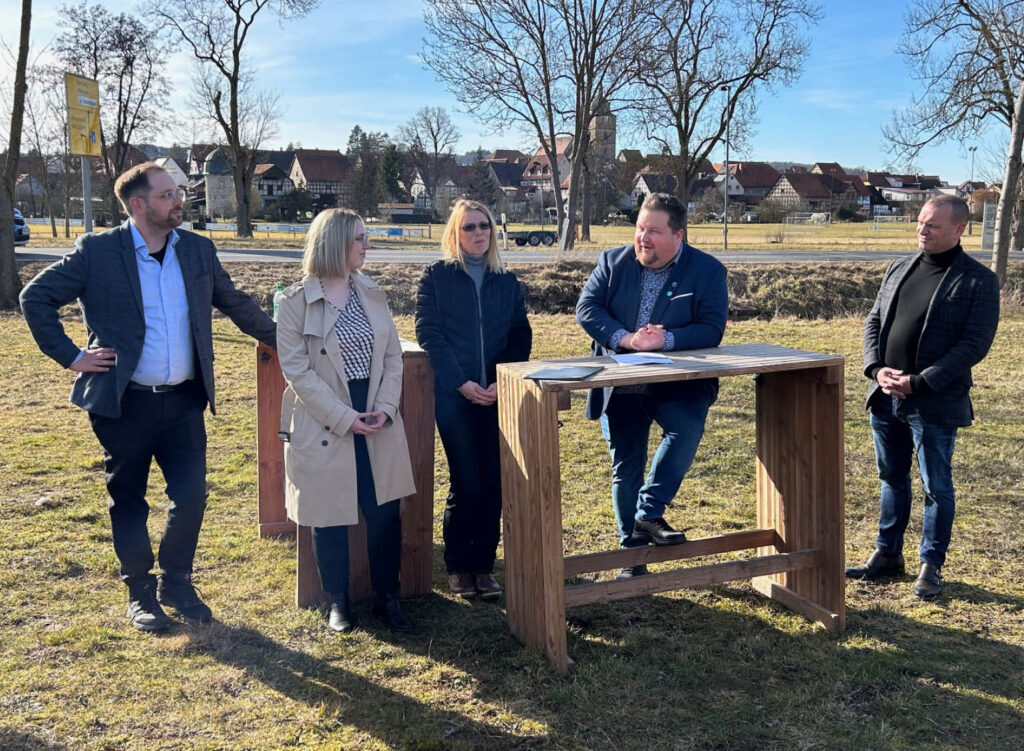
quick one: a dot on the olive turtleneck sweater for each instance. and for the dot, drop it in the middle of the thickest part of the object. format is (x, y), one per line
(910, 309)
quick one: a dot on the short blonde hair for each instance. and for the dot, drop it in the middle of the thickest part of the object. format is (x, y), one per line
(450, 239)
(330, 236)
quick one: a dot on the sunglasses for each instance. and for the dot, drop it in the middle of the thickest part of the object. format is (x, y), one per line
(483, 226)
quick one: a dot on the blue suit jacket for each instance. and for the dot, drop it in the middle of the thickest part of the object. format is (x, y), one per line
(693, 305)
(958, 330)
(103, 275)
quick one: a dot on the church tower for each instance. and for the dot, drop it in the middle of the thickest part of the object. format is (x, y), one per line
(602, 134)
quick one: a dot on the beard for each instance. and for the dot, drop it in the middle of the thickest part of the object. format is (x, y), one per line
(167, 220)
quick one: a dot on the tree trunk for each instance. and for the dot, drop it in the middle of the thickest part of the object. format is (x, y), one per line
(243, 197)
(1008, 196)
(10, 283)
(587, 196)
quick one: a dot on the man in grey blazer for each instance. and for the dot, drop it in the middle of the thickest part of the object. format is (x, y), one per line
(146, 291)
(934, 318)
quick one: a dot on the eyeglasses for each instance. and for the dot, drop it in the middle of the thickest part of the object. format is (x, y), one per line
(483, 226)
(167, 195)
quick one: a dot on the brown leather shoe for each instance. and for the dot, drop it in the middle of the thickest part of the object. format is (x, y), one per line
(487, 587)
(462, 585)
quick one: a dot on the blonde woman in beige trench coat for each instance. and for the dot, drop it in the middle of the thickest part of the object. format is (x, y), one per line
(345, 448)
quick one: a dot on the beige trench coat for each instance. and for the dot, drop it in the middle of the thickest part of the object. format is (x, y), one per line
(316, 411)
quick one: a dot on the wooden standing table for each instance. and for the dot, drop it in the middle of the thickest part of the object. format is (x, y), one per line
(799, 540)
(417, 408)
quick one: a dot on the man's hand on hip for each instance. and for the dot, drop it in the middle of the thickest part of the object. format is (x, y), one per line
(98, 360)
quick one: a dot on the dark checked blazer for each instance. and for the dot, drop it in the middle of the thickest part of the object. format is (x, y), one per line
(693, 304)
(103, 275)
(958, 330)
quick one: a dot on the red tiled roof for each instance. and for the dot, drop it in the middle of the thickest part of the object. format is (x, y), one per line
(828, 168)
(754, 174)
(323, 165)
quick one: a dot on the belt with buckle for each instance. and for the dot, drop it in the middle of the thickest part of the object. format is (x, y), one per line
(163, 388)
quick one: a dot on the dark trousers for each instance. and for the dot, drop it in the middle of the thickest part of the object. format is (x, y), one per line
(472, 515)
(168, 427)
(383, 526)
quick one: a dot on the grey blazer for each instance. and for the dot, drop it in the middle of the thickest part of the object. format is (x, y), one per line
(103, 275)
(958, 330)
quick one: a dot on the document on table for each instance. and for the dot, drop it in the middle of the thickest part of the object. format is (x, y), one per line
(642, 358)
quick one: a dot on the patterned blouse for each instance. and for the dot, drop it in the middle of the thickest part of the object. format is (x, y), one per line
(355, 335)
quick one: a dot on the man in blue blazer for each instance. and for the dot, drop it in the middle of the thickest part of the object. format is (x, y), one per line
(658, 294)
(146, 291)
(934, 318)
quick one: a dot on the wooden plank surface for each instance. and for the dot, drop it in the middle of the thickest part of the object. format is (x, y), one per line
(417, 407)
(531, 493)
(607, 560)
(730, 360)
(698, 576)
(271, 518)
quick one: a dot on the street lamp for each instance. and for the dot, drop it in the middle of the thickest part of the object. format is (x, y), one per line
(970, 216)
(725, 191)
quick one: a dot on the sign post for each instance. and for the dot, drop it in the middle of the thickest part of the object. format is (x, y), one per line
(83, 96)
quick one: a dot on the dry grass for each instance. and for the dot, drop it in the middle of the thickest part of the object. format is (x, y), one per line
(837, 236)
(718, 668)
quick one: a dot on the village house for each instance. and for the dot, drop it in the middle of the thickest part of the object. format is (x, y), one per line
(324, 174)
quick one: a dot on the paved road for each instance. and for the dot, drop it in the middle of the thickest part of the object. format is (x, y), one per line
(426, 255)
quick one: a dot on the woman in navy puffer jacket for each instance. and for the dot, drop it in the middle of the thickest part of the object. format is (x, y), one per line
(470, 316)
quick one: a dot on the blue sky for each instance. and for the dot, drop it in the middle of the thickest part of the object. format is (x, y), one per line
(353, 63)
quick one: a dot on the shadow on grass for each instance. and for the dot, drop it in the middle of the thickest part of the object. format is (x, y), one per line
(395, 718)
(732, 681)
(15, 740)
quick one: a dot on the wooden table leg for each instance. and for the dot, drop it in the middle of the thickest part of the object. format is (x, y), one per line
(531, 492)
(271, 517)
(800, 481)
(417, 408)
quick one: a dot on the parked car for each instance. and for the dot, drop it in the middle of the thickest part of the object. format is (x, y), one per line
(748, 216)
(22, 233)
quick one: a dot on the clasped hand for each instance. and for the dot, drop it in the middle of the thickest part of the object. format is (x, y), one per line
(894, 382)
(650, 338)
(478, 394)
(367, 423)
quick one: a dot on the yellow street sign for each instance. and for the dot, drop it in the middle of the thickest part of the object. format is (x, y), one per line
(83, 95)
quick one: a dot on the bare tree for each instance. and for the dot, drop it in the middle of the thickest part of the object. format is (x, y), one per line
(10, 283)
(969, 54)
(126, 56)
(701, 72)
(542, 64)
(42, 137)
(216, 31)
(429, 137)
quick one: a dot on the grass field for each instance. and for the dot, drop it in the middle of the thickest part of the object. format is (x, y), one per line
(838, 236)
(715, 668)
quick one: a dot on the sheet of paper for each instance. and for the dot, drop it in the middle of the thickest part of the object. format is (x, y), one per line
(642, 358)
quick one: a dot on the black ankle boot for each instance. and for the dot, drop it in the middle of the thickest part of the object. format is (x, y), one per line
(340, 618)
(387, 608)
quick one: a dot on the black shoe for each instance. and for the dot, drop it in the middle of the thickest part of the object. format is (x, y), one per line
(144, 611)
(340, 618)
(387, 608)
(880, 565)
(656, 531)
(176, 591)
(630, 572)
(929, 582)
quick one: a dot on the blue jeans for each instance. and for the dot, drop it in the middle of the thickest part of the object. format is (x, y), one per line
(899, 433)
(626, 426)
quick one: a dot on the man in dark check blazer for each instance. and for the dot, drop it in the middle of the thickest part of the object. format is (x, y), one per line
(658, 294)
(934, 318)
(146, 291)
